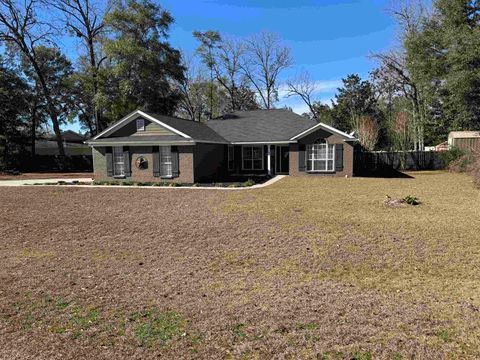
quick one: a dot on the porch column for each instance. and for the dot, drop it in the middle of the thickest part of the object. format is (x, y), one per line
(269, 159)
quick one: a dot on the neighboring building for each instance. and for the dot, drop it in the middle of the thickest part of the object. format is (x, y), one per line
(148, 147)
(440, 147)
(465, 140)
(73, 144)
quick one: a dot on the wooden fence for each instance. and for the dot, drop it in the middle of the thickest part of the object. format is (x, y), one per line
(366, 163)
(467, 144)
(74, 163)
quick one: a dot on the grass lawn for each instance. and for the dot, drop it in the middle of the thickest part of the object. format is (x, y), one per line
(305, 268)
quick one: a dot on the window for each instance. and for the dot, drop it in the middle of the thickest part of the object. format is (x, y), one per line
(252, 157)
(165, 153)
(320, 156)
(140, 125)
(118, 161)
(231, 158)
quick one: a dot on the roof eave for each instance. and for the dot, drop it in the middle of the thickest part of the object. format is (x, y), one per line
(268, 142)
(139, 143)
(131, 116)
(326, 127)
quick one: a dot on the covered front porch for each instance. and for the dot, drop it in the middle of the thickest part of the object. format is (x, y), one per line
(258, 159)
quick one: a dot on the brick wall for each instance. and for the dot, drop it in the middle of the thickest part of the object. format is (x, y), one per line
(185, 159)
(332, 139)
(210, 162)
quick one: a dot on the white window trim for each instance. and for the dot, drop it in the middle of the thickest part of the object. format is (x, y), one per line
(307, 160)
(160, 151)
(115, 175)
(142, 122)
(263, 157)
(233, 157)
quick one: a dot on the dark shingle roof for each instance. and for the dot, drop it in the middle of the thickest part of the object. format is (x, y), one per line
(140, 138)
(260, 125)
(196, 130)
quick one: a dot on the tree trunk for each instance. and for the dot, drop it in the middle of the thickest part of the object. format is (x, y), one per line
(93, 65)
(51, 109)
(34, 130)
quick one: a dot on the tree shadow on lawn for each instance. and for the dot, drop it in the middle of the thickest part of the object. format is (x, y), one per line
(387, 173)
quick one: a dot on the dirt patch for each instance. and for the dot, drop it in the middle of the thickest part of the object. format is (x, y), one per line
(90, 273)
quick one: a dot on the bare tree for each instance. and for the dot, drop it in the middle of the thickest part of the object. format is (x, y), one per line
(394, 69)
(303, 86)
(227, 67)
(23, 31)
(367, 133)
(265, 58)
(409, 15)
(84, 20)
(193, 90)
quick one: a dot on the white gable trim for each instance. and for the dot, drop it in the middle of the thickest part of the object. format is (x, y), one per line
(325, 127)
(262, 142)
(132, 116)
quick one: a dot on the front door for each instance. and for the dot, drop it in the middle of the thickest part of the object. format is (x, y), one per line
(282, 159)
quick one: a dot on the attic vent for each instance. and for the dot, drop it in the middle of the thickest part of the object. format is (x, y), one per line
(140, 125)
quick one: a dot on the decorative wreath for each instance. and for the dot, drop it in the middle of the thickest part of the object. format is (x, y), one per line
(141, 163)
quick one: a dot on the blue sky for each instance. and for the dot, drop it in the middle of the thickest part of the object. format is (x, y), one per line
(328, 38)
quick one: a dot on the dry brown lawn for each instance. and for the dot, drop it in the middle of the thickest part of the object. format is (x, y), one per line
(306, 268)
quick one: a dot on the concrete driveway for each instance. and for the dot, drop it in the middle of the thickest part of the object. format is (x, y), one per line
(24, 182)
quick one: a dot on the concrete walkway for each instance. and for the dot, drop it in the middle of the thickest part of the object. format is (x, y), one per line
(31, 182)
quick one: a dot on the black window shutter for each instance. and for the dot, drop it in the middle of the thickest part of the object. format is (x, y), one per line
(301, 157)
(175, 170)
(338, 157)
(109, 158)
(126, 161)
(156, 161)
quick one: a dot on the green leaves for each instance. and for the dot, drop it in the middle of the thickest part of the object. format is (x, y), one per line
(142, 62)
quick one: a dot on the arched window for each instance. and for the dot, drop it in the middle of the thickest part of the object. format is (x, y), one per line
(320, 156)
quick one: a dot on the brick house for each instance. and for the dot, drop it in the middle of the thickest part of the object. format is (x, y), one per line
(149, 147)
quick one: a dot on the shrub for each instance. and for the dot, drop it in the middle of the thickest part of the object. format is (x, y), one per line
(474, 169)
(249, 182)
(100, 182)
(411, 200)
(452, 155)
(140, 183)
(468, 163)
(461, 164)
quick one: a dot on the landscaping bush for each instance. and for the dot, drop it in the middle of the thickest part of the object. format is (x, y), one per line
(461, 164)
(411, 200)
(468, 163)
(249, 182)
(474, 169)
(453, 154)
